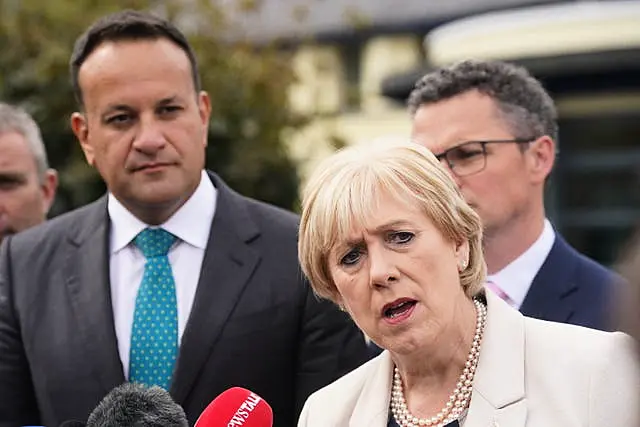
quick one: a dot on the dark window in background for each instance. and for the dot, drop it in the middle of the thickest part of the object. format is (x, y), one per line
(595, 191)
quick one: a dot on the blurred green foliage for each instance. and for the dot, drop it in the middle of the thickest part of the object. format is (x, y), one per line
(248, 87)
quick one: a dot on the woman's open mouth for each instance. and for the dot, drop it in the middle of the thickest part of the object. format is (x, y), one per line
(398, 310)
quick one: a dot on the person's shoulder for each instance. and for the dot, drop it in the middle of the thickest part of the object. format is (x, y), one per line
(569, 357)
(51, 232)
(589, 273)
(271, 214)
(277, 225)
(586, 372)
(590, 287)
(595, 271)
(343, 392)
(575, 343)
(260, 211)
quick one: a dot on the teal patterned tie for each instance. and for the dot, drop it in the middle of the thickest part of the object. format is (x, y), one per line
(154, 334)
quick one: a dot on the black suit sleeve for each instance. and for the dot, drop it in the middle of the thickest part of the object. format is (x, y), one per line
(330, 346)
(18, 405)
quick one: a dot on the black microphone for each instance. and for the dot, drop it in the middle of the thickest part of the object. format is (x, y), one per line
(135, 405)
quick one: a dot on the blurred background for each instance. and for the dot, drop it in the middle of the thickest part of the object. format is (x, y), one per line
(293, 80)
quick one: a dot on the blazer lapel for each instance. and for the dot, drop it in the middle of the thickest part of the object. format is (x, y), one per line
(498, 397)
(372, 406)
(228, 264)
(547, 297)
(486, 415)
(87, 272)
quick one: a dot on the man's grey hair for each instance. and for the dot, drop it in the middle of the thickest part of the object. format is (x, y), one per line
(521, 100)
(15, 119)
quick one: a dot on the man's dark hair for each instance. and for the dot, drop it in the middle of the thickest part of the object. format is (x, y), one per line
(521, 100)
(127, 25)
(133, 405)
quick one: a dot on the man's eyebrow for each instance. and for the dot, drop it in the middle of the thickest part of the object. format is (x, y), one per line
(116, 107)
(169, 100)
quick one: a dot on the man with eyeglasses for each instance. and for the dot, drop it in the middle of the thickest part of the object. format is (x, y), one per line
(494, 128)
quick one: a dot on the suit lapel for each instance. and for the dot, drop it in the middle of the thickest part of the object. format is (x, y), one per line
(486, 415)
(372, 407)
(498, 397)
(228, 264)
(547, 297)
(87, 272)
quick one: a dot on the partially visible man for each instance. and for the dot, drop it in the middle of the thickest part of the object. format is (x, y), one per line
(170, 279)
(27, 184)
(494, 127)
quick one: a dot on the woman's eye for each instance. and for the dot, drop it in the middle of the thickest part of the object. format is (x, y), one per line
(351, 258)
(401, 237)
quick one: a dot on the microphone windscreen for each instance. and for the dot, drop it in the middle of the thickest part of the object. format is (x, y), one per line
(236, 407)
(136, 405)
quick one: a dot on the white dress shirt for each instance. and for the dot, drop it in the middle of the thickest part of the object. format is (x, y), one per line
(516, 278)
(191, 225)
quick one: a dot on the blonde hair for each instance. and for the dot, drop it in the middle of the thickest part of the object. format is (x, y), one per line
(341, 193)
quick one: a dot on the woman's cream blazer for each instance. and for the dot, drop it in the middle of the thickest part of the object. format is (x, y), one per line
(531, 373)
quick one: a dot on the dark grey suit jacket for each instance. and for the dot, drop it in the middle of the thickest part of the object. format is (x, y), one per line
(254, 323)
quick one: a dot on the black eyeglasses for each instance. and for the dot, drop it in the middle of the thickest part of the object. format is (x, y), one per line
(470, 157)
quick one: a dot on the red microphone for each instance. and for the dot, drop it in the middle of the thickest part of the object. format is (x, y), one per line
(236, 407)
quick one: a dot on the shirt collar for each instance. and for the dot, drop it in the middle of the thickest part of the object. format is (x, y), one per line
(516, 278)
(191, 223)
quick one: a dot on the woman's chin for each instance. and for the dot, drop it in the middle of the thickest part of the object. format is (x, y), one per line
(405, 345)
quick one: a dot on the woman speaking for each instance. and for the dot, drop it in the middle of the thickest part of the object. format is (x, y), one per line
(386, 235)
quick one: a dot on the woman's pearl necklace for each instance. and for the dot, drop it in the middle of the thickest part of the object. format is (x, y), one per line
(458, 400)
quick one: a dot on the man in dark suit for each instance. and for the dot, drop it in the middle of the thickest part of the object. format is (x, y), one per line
(172, 278)
(494, 127)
